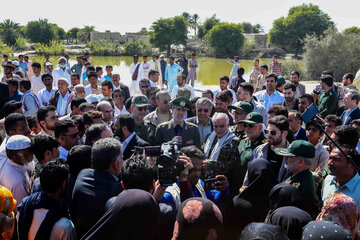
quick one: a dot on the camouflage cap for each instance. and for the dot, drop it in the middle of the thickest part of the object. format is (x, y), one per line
(253, 118)
(180, 102)
(242, 105)
(140, 100)
(298, 148)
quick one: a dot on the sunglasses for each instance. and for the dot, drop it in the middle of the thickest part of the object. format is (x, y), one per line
(141, 108)
(73, 135)
(248, 125)
(203, 110)
(272, 132)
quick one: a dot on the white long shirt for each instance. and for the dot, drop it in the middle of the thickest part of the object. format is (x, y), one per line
(36, 84)
(44, 95)
(60, 73)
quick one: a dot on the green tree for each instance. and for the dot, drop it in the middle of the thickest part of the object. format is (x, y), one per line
(40, 31)
(207, 26)
(249, 28)
(59, 33)
(144, 30)
(289, 32)
(194, 24)
(226, 39)
(72, 34)
(84, 33)
(9, 31)
(168, 31)
(350, 30)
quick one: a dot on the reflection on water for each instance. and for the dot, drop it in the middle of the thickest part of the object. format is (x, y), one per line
(209, 70)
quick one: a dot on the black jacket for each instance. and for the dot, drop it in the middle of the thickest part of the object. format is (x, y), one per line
(4, 97)
(135, 141)
(91, 192)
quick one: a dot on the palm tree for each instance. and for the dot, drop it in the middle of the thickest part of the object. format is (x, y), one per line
(9, 31)
(84, 34)
(195, 19)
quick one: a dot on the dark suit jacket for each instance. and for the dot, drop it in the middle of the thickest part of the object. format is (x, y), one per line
(301, 135)
(354, 115)
(92, 190)
(190, 133)
(4, 97)
(135, 141)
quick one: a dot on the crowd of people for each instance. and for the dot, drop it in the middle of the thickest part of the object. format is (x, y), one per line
(83, 156)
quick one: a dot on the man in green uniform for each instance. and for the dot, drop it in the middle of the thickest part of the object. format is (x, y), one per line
(239, 110)
(186, 133)
(144, 129)
(328, 102)
(254, 137)
(297, 157)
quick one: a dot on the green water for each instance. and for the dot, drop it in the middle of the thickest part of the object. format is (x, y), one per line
(208, 72)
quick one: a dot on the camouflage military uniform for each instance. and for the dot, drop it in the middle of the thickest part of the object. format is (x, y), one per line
(238, 134)
(146, 131)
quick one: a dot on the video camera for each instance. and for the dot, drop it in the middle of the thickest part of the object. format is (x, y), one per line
(167, 163)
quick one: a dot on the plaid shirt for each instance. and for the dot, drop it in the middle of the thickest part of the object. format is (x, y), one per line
(276, 68)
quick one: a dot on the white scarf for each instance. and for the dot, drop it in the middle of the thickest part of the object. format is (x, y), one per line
(226, 139)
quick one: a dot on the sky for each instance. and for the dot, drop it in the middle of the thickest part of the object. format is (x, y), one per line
(130, 16)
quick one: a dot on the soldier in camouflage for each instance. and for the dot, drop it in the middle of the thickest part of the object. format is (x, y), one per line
(239, 110)
(144, 129)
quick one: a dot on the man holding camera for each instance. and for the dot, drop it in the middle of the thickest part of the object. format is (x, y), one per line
(190, 185)
(186, 133)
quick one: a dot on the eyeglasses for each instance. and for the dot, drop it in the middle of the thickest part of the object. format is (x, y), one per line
(272, 132)
(203, 110)
(166, 101)
(73, 135)
(219, 126)
(250, 125)
(141, 108)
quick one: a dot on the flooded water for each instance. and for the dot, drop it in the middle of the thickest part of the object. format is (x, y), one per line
(209, 70)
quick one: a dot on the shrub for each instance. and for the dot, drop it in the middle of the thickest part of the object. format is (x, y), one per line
(5, 49)
(53, 48)
(104, 48)
(334, 51)
(294, 65)
(139, 47)
(20, 43)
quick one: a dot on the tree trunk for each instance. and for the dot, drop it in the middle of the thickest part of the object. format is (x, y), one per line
(168, 50)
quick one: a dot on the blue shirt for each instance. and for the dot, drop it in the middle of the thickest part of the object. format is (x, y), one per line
(268, 100)
(171, 73)
(163, 66)
(351, 188)
(218, 197)
(24, 66)
(17, 96)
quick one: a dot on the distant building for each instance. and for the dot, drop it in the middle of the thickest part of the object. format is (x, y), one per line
(116, 37)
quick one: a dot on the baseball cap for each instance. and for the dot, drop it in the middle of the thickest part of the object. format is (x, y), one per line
(15, 62)
(162, 55)
(242, 105)
(253, 118)
(18, 142)
(298, 148)
(180, 102)
(140, 100)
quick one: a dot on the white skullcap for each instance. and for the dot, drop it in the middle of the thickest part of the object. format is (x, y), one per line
(18, 142)
(64, 79)
(91, 98)
(48, 64)
(16, 63)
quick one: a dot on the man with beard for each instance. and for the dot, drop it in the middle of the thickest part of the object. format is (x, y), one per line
(124, 132)
(254, 137)
(290, 103)
(45, 94)
(47, 117)
(143, 129)
(300, 88)
(270, 96)
(162, 113)
(222, 101)
(186, 133)
(305, 101)
(277, 131)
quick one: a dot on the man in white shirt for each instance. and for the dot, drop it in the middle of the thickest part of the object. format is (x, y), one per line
(269, 96)
(224, 83)
(99, 71)
(61, 97)
(154, 78)
(61, 71)
(118, 96)
(14, 173)
(156, 66)
(36, 79)
(67, 134)
(46, 93)
(93, 87)
(181, 82)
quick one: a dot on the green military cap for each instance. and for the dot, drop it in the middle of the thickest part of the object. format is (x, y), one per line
(253, 118)
(281, 80)
(298, 148)
(181, 102)
(242, 105)
(140, 100)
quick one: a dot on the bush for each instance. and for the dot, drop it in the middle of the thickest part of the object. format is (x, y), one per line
(5, 49)
(247, 48)
(334, 51)
(104, 48)
(20, 43)
(138, 47)
(54, 48)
